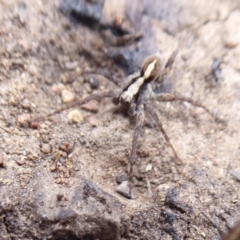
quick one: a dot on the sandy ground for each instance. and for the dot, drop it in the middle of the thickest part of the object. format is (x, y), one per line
(40, 57)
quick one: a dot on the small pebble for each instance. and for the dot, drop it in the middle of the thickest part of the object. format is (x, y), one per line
(94, 83)
(91, 106)
(26, 104)
(87, 88)
(123, 189)
(57, 156)
(236, 174)
(149, 167)
(21, 161)
(61, 160)
(60, 197)
(58, 180)
(2, 163)
(46, 148)
(67, 146)
(58, 88)
(71, 65)
(75, 116)
(22, 13)
(231, 40)
(150, 124)
(122, 176)
(231, 37)
(13, 101)
(62, 169)
(53, 168)
(35, 125)
(64, 155)
(79, 71)
(92, 120)
(67, 96)
(23, 120)
(32, 69)
(223, 11)
(30, 164)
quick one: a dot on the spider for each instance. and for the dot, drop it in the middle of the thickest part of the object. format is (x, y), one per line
(135, 93)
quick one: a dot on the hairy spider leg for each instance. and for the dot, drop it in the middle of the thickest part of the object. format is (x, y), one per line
(137, 130)
(140, 116)
(170, 97)
(169, 64)
(155, 117)
(79, 102)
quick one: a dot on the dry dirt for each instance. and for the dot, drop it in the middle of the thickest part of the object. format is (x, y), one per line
(41, 54)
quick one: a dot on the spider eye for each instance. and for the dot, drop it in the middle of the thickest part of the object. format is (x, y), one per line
(151, 68)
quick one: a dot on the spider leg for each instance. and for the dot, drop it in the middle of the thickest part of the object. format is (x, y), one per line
(78, 102)
(136, 134)
(169, 64)
(170, 61)
(105, 74)
(154, 115)
(170, 97)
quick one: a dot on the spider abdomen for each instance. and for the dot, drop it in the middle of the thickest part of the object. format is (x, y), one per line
(152, 67)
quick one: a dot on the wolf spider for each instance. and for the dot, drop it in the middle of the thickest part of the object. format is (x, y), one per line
(135, 93)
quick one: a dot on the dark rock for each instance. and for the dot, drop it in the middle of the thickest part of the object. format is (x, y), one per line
(216, 69)
(87, 212)
(88, 12)
(94, 82)
(173, 201)
(122, 176)
(168, 217)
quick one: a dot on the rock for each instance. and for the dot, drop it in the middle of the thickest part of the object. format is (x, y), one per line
(46, 148)
(150, 123)
(89, 12)
(2, 163)
(87, 88)
(26, 104)
(33, 70)
(231, 40)
(13, 101)
(80, 211)
(67, 96)
(22, 13)
(122, 176)
(75, 116)
(24, 120)
(67, 146)
(223, 11)
(79, 71)
(58, 88)
(35, 125)
(91, 106)
(123, 189)
(149, 167)
(92, 120)
(235, 173)
(71, 65)
(21, 161)
(94, 82)
(231, 36)
(174, 201)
